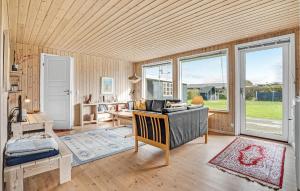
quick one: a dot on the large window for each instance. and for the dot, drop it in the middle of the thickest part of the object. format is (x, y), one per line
(205, 76)
(157, 81)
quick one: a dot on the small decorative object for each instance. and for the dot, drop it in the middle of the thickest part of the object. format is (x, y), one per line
(132, 94)
(115, 98)
(88, 99)
(134, 78)
(168, 104)
(197, 100)
(14, 87)
(14, 67)
(107, 85)
(91, 117)
(19, 60)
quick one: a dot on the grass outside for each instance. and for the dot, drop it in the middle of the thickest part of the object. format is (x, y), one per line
(254, 109)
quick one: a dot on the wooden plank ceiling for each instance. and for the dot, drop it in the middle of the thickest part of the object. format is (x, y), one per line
(137, 30)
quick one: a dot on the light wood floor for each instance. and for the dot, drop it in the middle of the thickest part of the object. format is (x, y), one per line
(188, 170)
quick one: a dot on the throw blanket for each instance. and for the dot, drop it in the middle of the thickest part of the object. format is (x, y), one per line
(30, 145)
(187, 125)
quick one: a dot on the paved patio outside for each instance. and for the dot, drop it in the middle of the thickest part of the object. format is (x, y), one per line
(264, 125)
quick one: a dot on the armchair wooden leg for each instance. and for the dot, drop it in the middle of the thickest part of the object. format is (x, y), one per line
(206, 137)
(167, 156)
(136, 145)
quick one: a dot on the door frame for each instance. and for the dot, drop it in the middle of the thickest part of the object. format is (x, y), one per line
(291, 83)
(42, 73)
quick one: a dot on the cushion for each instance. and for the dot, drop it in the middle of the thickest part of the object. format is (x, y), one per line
(158, 105)
(130, 105)
(169, 102)
(10, 161)
(194, 106)
(32, 144)
(175, 109)
(140, 105)
(149, 105)
(174, 100)
(178, 105)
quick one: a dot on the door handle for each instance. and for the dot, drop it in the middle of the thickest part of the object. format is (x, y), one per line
(242, 92)
(68, 92)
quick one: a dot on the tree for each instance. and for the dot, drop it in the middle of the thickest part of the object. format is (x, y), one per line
(192, 93)
(249, 83)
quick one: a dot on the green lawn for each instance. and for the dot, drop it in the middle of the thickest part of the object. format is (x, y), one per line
(264, 109)
(255, 109)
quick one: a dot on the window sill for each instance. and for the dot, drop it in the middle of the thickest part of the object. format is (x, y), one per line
(218, 111)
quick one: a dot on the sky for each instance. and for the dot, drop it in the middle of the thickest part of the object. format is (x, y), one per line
(262, 67)
(210, 70)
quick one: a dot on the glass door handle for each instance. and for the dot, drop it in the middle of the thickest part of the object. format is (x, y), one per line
(68, 92)
(242, 92)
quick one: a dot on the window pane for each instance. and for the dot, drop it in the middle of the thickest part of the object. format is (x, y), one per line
(158, 81)
(205, 76)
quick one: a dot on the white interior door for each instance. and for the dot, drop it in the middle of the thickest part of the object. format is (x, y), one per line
(56, 90)
(265, 89)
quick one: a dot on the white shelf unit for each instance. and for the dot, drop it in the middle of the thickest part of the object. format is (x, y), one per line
(99, 116)
(86, 110)
(111, 106)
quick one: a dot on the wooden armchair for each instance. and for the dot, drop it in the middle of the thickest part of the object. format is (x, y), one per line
(152, 129)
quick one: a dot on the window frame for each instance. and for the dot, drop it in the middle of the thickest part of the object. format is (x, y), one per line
(143, 66)
(166, 89)
(205, 54)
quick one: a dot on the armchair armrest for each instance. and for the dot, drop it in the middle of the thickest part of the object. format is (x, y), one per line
(153, 129)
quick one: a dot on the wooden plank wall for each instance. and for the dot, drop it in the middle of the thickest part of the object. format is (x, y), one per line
(4, 82)
(88, 71)
(222, 122)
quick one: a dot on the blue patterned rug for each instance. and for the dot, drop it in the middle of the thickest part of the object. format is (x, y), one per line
(96, 144)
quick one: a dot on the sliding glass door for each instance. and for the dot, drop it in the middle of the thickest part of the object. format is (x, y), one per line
(264, 90)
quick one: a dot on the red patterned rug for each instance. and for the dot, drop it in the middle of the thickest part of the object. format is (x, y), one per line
(255, 160)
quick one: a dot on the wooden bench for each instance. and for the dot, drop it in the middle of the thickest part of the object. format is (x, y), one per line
(14, 175)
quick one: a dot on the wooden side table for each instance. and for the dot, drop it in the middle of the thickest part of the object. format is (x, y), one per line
(121, 115)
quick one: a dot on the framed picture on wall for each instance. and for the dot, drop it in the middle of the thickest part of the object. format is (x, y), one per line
(107, 85)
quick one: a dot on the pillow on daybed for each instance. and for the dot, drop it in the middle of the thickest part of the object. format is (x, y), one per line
(171, 110)
(170, 102)
(140, 105)
(158, 105)
(194, 106)
(149, 105)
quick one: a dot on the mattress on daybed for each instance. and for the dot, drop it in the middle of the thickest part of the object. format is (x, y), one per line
(29, 148)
